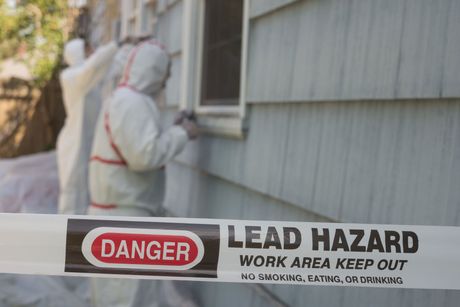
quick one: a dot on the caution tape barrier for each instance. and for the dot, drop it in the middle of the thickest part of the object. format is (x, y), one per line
(298, 253)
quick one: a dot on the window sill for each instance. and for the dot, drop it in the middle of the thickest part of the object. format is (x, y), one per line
(219, 111)
(222, 125)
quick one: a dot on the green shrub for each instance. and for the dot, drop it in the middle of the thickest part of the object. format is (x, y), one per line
(38, 27)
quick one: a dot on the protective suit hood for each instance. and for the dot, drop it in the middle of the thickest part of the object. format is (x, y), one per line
(74, 52)
(131, 148)
(147, 68)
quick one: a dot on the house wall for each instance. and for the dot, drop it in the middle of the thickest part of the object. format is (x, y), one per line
(395, 162)
(103, 15)
(353, 113)
(168, 30)
(366, 161)
(337, 132)
(348, 50)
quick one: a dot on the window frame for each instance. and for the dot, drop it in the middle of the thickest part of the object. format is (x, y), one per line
(149, 6)
(131, 13)
(223, 120)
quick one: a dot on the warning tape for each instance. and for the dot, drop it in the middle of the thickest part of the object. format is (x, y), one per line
(334, 254)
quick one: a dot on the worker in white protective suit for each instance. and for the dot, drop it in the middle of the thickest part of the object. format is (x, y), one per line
(75, 139)
(130, 150)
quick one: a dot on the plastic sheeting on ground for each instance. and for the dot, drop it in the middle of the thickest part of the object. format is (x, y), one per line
(37, 291)
(30, 184)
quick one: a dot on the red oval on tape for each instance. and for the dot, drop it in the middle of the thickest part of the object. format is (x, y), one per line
(127, 248)
(158, 249)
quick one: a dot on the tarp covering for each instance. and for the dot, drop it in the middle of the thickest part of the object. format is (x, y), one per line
(29, 184)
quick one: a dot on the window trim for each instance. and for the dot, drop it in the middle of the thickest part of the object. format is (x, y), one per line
(131, 12)
(210, 117)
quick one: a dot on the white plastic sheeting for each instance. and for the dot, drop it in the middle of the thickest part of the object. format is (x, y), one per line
(37, 291)
(30, 184)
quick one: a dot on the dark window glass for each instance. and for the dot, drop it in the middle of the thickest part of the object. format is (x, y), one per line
(222, 52)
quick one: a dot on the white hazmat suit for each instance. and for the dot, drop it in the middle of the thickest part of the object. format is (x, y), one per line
(75, 139)
(130, 150)
(127, 162)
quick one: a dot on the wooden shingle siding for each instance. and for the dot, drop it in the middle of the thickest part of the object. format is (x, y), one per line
(354, 50)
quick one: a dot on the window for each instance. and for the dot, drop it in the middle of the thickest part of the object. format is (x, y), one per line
(137, 17)
(221, 63)
(213, 64)
(132, 17)
(147, 17)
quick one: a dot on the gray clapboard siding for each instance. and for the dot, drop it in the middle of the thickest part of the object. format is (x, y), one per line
(169, 32)
(226, 295)
(163, 5)
(168, 28)
(359, 297)
(379, 162)
(207, 293)
(367, 161)
(173, 84)
(372, 148)
(371, 161)
(193, 193)
(216, 295)
(260, 7)
(450, 78)
(422, 48)
(371, 55)
(356, 297)
(353, 50)
(209, 196)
